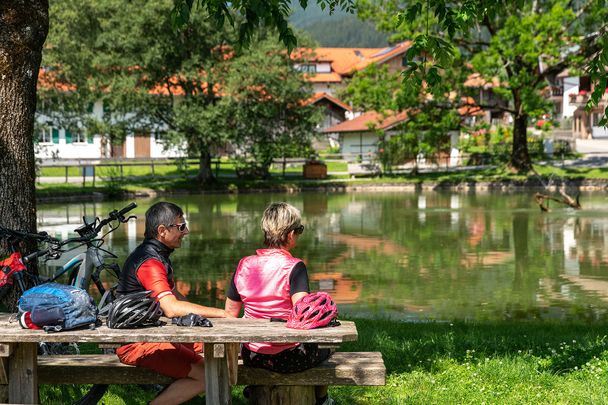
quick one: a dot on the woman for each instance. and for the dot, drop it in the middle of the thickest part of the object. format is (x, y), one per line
(267, 285)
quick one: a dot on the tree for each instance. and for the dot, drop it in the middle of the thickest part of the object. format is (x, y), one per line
(267, 113)
(23, 29)
(523, 44)
(255, 14)
(429, 120)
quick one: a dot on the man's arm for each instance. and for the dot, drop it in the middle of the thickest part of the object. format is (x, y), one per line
(173, 307)
(152, 276)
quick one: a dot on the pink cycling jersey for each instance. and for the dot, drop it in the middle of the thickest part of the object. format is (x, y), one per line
(263, 284)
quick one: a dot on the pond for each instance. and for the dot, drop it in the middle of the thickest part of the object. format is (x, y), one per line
(407, 256)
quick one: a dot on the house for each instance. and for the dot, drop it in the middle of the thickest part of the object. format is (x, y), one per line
(482, 93)
(55, 143)
(357, 137)
(585, 123)
(329, 68)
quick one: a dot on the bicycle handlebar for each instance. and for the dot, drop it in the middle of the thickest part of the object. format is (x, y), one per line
(87, 233)
(35, 255)
(38, 237)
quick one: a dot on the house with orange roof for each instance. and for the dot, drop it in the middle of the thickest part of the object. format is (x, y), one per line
(357, 137)
(328, 68)
(55, 142)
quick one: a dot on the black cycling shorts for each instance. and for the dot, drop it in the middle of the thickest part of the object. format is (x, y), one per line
(293, 360)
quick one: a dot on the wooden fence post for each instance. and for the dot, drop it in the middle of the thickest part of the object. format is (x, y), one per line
(284, 164)
(66, 174)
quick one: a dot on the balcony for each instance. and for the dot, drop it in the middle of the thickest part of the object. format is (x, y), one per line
(556, 91)
(583, 96)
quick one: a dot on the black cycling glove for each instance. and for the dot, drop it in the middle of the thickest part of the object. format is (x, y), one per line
(192, 320)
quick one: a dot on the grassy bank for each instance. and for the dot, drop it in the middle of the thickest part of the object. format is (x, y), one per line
(458, 363)
(166, 184)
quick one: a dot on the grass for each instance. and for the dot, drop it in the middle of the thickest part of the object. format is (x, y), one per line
(457, 363)
(183, 181)
(226, 167)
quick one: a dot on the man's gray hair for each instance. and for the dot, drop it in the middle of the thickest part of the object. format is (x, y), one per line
(278, 220)
(161, 213)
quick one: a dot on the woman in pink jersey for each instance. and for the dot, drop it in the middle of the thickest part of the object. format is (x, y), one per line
(267, 285)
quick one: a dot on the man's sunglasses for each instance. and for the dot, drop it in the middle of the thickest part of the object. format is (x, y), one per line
(180, 227)
(299, 229)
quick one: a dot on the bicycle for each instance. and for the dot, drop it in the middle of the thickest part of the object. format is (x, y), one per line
(15, 278)
(82, 269)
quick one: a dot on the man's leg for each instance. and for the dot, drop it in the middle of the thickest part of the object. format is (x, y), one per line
(185, 388)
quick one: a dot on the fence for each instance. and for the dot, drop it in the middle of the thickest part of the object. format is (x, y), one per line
(337, 165)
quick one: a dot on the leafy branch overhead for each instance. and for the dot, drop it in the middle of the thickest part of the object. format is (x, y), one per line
(254, 14)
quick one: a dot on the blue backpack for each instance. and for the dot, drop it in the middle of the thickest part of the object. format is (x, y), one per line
(76, 304)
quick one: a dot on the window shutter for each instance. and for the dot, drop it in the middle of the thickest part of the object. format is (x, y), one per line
(68, 136)
(55, 133)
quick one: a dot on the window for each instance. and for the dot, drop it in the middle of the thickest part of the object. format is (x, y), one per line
(307, 68)
(45, 135)
(160, 136)
(78, 136)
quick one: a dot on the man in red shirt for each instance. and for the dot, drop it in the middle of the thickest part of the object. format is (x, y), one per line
(148, 267)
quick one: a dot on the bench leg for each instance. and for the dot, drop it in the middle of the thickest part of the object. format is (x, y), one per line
(23, 375)
(282, 395)
(217, 375)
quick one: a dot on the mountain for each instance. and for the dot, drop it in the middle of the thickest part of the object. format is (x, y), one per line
(341, 29)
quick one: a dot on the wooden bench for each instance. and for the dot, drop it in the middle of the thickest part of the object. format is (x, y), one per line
(363, 169)
(19, 373)
(342, 368)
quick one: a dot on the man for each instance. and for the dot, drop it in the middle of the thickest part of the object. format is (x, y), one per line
(148, 267)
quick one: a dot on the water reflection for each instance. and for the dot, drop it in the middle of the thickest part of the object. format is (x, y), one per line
(403, 255)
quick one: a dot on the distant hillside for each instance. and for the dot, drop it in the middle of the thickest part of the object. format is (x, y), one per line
(340, 29)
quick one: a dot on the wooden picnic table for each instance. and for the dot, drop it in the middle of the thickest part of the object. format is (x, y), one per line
(18, 348)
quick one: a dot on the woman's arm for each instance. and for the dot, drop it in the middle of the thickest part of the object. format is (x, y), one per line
(232, 308)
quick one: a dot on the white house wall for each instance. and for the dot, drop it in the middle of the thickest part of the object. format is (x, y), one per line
(358, 143)
(570, 87)
(86, 150)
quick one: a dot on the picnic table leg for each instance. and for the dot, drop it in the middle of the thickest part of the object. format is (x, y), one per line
(217, 375)
(23, 374)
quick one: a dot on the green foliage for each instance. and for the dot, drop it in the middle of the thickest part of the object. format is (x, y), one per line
(374, 89)
(521, 44)
(195, 85)
(265, 114)
(269, 14)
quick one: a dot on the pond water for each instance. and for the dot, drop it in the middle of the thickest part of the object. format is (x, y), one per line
(405, 256)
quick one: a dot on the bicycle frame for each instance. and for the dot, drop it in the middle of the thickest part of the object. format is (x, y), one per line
(12, 267)
(91, 262)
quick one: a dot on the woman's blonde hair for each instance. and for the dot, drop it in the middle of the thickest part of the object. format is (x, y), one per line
(278, 220)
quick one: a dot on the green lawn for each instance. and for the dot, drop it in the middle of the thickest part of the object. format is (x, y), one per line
(182, 182)
(145, 169)
(511, 362)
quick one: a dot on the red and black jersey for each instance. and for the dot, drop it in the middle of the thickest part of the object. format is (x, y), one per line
(148, 267)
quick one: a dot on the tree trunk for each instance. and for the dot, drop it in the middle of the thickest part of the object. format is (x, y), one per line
(205, 174)
(24, 26)
(520, 159)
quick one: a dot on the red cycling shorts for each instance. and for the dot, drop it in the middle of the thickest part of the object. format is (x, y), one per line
(170, 359)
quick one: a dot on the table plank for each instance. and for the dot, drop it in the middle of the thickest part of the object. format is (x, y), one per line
(223, 331)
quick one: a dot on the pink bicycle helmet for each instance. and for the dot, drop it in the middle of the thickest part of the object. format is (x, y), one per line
(313, 311)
